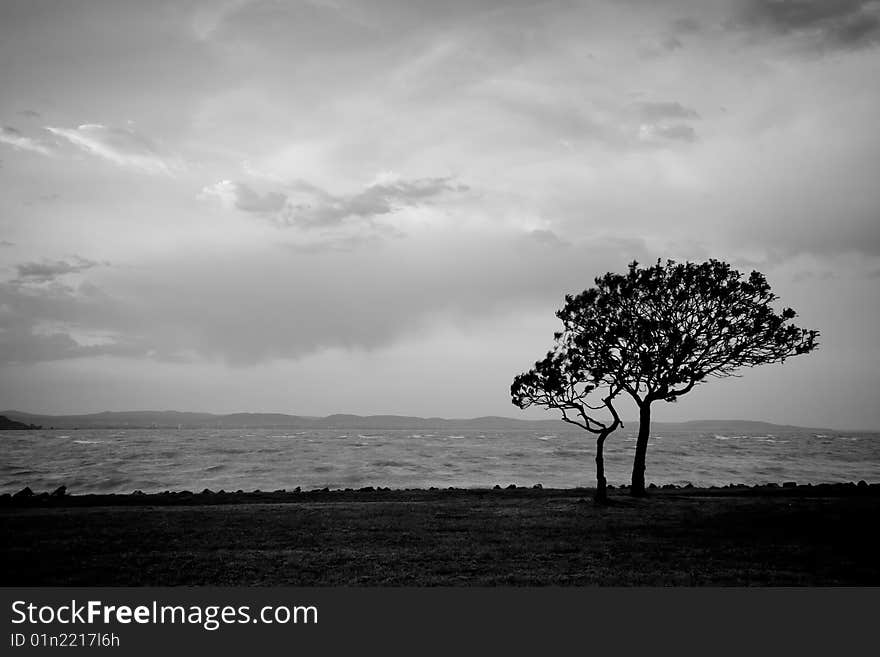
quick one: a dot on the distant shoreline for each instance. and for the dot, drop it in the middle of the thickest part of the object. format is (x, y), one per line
(143, 420)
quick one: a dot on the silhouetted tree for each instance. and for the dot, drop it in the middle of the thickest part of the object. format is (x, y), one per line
(561, 382)
(658, 331)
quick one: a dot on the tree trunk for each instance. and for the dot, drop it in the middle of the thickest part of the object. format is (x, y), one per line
(601, 483)
(638, 473)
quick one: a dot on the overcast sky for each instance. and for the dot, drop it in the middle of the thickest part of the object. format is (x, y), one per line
(376, 207)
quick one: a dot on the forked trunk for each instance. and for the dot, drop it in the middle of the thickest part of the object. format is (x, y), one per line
(638, 473)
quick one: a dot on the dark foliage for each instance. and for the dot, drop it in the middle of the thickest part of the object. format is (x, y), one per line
(656, 332)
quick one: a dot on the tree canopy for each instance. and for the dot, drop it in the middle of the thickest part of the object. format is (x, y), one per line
(658, 331)
(654, 333)
(561, 382)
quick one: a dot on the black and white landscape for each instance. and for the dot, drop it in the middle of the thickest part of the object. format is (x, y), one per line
(317, 229)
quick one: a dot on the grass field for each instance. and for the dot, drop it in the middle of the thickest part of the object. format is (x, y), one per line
(782, 537)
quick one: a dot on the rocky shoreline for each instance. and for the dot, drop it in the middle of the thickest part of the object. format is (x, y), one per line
(60, 497)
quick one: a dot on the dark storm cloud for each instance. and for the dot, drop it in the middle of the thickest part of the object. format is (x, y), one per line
(48, 270)
(281, 304)
(40, 322)
(839, 24)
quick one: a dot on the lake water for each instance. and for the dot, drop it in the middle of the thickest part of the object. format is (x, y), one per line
(114, 461)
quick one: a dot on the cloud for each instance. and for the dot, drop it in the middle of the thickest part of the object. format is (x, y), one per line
(46, 271)
(5, 243)
(121, 146)
(660, 46)
(344, 243)
(686, 25)
(657, 111)
(308, 206)
(58, 322)
(546, 238)
(673, 132)
(266, 302)
(13, 137)
(236, 195)
(378, 199)
(29, 113)
(841, 24)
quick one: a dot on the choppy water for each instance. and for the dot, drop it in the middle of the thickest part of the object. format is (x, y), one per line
(155, 460)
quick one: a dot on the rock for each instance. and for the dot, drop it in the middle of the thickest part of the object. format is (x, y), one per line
(24, 492)
(538, 486)
(495, 487)
(688, 485)
(297, 490)
(862, 484)
(368, 489)
(61, 491)
(207, 491)
(511, 487)
(789, 484)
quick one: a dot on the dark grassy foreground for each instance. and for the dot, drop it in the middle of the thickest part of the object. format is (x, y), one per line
(818, 535)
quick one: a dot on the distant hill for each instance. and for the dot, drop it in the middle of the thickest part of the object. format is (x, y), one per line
(185, 420)
(12, 425)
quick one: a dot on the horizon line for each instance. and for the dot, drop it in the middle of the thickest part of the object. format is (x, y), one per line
(421, 417)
